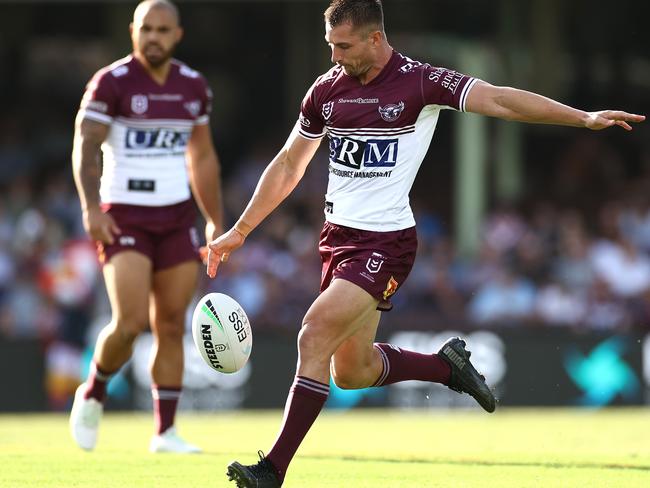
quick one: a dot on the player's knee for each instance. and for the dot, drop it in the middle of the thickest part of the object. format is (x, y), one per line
(347, 381)
(128, 330)
(348, 377)
(311, 343)
(352, 370)
(170, 330)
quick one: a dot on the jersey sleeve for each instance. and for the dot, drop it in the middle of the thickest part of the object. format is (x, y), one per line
(311, 122)
(203, 116)
(100, 99)
(446, 87)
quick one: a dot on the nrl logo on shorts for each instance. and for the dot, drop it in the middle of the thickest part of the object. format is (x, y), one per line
(374, 262)
(139, 104)
(327, 110)
(391, 113)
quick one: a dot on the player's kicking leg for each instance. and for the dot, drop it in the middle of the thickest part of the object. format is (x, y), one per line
(450, 366)
(127, 277)
(173, 289)
(360, 363)
(337, 313)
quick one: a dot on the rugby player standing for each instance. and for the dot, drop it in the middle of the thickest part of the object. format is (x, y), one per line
(379, 110)
(147, 115)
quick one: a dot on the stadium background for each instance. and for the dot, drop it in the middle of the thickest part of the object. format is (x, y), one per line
(534, 241)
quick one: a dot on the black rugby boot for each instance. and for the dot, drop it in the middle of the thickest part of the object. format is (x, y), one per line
(464, 377)
(260, 475)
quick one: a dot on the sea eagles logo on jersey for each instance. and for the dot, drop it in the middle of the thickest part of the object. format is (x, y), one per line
(193, 107)
(139, 104)
(390, 113)
(327, 110)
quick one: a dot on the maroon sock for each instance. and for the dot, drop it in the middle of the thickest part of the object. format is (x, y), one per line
(305, 401)
(96, 383)
(402, 365)
(165, 401)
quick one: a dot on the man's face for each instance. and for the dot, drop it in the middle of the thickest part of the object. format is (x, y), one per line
(155, 33)
(352, 49)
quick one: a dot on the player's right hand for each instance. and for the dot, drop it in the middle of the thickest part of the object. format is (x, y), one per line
(608, 118)
(100, 226)
(219, 250)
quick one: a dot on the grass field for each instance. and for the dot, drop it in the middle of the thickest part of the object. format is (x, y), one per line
(512, 448)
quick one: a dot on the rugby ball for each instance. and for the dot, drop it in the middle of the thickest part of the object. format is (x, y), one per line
(222, 332)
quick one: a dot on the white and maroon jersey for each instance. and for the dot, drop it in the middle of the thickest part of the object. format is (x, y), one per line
(150, 125)
(378, 136)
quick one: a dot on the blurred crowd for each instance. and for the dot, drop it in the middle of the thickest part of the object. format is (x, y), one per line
(542, 264)
(572, 251)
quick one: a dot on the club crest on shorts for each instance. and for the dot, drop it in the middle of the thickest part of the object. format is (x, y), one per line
(374, 262)
(391, 113)
(327, 110)
(391, 288)
(139, 104)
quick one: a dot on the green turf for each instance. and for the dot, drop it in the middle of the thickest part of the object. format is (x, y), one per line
(510, 449)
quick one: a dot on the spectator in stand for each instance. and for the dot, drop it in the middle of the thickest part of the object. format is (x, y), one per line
(557, 304)
(503, 229)
(634, 220)
(572, 267)
(604, 310)
(624, 269)
(507, 300)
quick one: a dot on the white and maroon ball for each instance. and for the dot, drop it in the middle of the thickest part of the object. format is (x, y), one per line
(222, 332)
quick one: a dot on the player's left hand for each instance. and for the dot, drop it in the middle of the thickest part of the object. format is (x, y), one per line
(219, 249)
(608, 118)
(212, 231)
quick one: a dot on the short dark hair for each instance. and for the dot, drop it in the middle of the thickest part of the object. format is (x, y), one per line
(359, 13)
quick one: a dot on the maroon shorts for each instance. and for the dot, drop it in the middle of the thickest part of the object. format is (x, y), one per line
(165, 234)
(378, 262)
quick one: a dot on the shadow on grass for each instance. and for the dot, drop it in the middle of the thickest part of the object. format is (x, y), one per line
(478, 462)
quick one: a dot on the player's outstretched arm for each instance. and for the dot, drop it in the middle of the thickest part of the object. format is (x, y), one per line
(523, 106)
(278, 180)
(88, 138)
